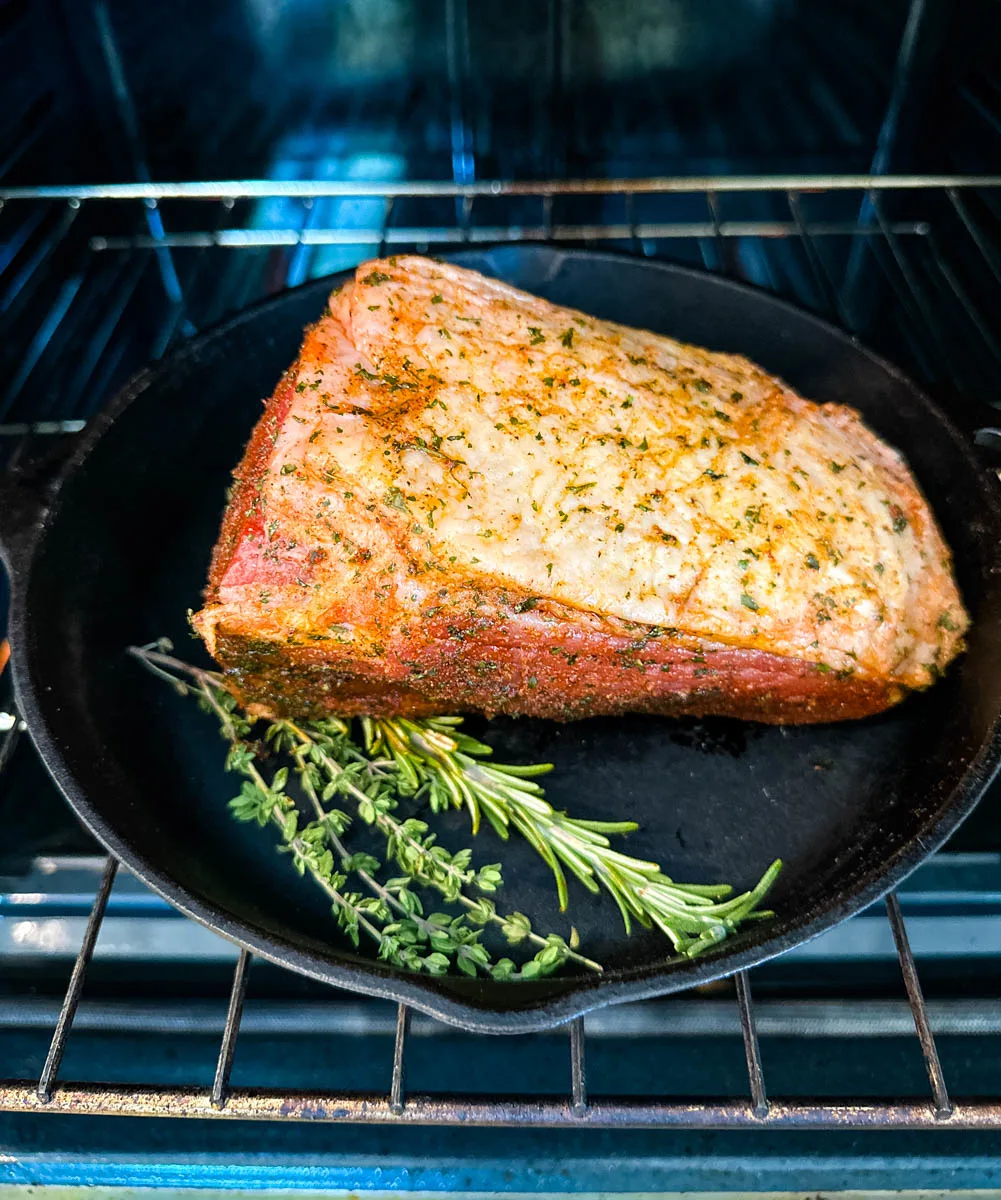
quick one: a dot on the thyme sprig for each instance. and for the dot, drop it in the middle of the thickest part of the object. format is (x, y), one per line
(403, 757)
(328, 764)
(408, 842)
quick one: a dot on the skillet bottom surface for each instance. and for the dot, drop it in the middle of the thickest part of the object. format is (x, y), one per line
(850, 808)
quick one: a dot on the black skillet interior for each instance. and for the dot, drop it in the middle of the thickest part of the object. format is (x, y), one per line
(850, 808)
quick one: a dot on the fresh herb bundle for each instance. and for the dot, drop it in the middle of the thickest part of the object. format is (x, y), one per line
(432, 758)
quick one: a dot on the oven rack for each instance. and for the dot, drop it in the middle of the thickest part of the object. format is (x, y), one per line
(575, 1108)
(82, 257)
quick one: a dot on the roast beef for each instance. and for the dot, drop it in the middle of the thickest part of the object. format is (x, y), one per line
(463, 498)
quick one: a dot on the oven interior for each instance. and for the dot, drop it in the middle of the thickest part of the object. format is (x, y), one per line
(162, 166)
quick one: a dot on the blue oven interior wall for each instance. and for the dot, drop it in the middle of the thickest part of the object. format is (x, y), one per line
(517, 90)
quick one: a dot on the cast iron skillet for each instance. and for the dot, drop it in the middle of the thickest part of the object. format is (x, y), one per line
(118, 549)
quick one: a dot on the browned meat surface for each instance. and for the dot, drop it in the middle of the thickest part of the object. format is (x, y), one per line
(464, 498)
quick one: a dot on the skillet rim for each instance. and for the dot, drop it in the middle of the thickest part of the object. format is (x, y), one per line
(579, 994)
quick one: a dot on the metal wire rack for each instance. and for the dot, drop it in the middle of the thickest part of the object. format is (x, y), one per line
(575, 1107)
(80, 257)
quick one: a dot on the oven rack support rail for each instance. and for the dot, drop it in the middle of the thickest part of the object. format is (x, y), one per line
(576, 1107)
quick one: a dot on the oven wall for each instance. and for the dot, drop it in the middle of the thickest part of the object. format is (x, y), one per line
(452, 89)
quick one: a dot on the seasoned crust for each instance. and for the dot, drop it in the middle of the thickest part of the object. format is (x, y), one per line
(535, 673)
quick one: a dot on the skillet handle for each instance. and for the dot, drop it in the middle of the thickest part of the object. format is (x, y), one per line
(27, 486)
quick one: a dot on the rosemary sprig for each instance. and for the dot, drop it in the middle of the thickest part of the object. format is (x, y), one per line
(434, 753)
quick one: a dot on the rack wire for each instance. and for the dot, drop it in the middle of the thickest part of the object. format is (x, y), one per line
(942, 314)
